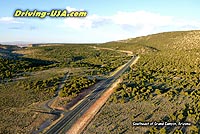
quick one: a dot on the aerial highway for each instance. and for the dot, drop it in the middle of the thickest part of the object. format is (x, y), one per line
(72, 115)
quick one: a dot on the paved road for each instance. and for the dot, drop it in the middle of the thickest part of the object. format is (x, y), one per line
(49, 102)
(71, 116)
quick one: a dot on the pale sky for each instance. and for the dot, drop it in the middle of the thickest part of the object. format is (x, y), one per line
(106, 20)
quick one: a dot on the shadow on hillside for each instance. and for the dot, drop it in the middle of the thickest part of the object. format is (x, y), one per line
(7, 52)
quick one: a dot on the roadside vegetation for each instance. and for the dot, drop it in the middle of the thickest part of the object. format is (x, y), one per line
(75, 86)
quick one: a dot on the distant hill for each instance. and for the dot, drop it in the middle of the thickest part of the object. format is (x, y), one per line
(181, 40)
(18, 43)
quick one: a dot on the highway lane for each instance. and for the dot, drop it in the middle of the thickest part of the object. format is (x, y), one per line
(71, 116)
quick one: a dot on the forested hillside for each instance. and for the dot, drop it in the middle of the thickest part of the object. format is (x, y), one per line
(164, 86)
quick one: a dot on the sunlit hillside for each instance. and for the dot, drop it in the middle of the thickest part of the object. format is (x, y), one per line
(181, 40)
(164, 86)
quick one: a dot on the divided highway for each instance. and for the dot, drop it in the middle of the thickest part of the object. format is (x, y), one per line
(71, 116)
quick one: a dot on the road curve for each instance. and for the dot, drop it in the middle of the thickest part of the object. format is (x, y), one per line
(71, 116)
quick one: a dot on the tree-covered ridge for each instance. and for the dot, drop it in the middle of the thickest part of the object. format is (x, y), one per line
(181, 40)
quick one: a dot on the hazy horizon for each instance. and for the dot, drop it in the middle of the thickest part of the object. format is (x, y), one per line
(105, 21)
